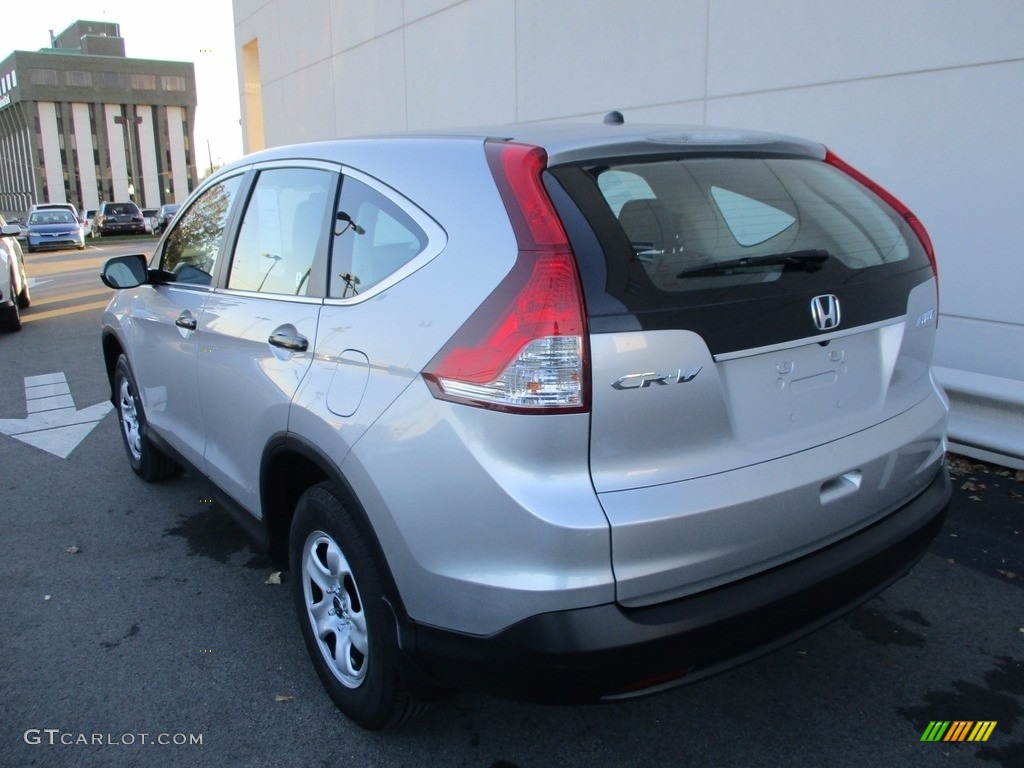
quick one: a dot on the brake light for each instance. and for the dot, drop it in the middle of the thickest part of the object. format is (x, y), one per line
(915, 223)
(523, 349)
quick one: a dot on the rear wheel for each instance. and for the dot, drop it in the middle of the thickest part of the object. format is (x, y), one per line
(147, 461)
(13, 321)
(340, 600)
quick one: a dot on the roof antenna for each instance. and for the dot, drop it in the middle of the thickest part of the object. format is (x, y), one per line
(614, 118)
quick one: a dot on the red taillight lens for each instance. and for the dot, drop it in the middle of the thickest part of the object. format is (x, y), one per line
(523, 348)
(915, 224)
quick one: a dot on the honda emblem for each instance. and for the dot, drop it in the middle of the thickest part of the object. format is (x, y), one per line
(825, 312)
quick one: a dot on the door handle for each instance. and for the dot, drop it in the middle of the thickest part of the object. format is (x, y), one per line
(286, 341)
(186, 321)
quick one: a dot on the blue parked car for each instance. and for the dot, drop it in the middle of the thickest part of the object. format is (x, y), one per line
(54, 228)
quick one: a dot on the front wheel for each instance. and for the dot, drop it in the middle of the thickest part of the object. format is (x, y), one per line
(340, 600)
(146, 460)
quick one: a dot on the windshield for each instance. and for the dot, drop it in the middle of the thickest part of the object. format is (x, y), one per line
(40, 218)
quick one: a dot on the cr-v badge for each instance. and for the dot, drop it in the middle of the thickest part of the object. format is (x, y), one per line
(641, 380)
(825, 312)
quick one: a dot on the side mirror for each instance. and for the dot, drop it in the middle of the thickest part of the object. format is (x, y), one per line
(10, 230)
(125, 271)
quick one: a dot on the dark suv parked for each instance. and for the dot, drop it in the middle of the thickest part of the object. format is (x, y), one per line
(118, 218)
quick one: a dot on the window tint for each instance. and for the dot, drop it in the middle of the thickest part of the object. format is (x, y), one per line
(121, 209)
(373, 238)
(683, 217)
(283, 228)
(191, 248)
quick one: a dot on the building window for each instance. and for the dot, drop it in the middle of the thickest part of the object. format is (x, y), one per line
(43, 76)
(111, 80)
(172, 83)
(76, 78)
(143, 82)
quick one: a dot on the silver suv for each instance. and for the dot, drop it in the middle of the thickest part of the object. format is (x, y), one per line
(565, 413)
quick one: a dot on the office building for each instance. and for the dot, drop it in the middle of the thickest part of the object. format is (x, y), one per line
(82, 123)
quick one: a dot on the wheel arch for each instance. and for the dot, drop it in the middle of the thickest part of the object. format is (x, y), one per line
(291, 465)
(112, 350)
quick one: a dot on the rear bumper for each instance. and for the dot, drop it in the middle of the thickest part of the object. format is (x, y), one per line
(118, 229)
(608, 652)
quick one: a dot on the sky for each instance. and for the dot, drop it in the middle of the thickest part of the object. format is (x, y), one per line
(199, 31)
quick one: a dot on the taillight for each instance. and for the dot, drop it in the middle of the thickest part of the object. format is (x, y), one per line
(523, 350)
(915, 224)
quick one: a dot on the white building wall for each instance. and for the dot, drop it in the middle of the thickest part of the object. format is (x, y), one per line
(51, 152)
(179, 168)
(149, 195)
(118, 163)
(922, 95)
(86, 163)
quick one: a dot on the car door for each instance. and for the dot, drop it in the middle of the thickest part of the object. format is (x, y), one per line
(258, 329)
(364, 352)
(165, 316)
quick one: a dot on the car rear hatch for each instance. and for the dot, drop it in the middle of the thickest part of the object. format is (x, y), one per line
(761, 329)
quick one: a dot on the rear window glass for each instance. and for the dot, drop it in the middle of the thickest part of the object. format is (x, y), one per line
(712, 223)
(736, 249)
(735, 220)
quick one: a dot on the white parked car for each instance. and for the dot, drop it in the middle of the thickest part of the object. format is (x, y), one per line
(151, 218)
(14, 291)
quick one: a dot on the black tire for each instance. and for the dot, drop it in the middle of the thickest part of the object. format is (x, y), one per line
(24, 298)
(350, 636)
(13, 321)
(146, 460)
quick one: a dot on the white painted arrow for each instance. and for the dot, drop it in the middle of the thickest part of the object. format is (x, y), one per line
(53, 423)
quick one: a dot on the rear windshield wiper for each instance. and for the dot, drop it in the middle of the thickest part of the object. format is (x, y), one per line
(809, 259)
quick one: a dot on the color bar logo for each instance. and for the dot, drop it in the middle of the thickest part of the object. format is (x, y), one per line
(958, 730)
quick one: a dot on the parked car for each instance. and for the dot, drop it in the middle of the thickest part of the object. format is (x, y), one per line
(60, 207)
(565, 413)
(151, 218)
(55, 228)
(22, 228)
(118, 218)
(14, 290)
(54, 207)
(88, 216)
(166, 214)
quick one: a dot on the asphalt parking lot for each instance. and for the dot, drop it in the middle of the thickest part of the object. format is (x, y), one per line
(131, 613)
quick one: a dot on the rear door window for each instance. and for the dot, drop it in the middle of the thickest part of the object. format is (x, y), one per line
(284, 228)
